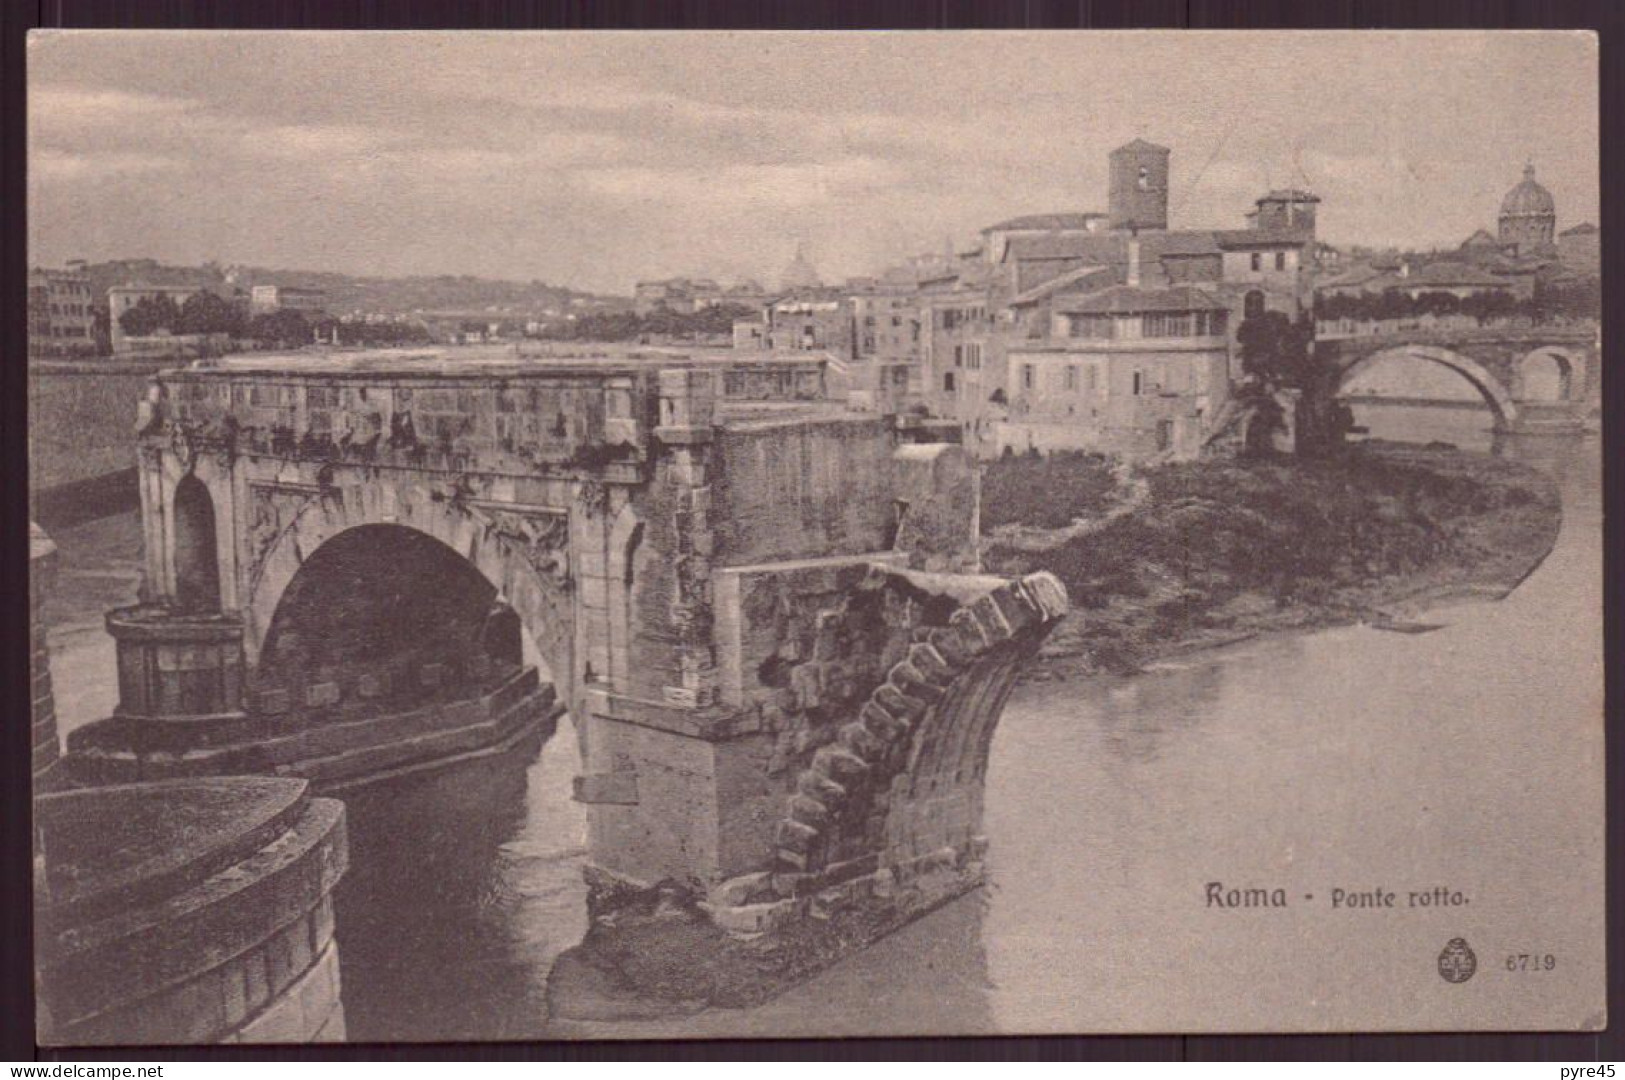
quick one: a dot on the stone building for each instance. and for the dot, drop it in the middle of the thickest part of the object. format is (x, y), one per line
(265, 299)
(61, 314)
(1138, 196)
(1135, 369)
(1579, 247)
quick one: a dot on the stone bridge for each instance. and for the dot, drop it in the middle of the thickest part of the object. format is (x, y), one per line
(760, 610)
(1534, 379)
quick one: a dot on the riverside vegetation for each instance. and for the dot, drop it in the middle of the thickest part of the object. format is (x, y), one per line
(1168, 558)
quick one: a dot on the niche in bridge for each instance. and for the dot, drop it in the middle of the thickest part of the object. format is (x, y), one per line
(197, 561)
(385, 618)
(1546, 377)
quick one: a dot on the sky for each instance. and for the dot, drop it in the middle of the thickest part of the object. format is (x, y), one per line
(595, 160)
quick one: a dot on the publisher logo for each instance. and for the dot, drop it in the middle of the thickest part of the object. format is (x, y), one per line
(1457, 962)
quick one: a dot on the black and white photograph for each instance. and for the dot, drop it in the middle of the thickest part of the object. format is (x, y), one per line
(656, 535)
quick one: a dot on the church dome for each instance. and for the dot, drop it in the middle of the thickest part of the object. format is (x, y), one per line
(1528, 199)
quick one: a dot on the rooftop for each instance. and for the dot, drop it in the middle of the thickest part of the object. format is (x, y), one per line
(1129, 299)
(487, 361)
(1289, 195)
(1046, 222)
(1246, 238)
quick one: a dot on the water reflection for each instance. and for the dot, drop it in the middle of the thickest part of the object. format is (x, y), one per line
(463, 887)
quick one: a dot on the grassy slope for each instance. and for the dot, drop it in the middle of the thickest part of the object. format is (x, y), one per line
(1197, 553)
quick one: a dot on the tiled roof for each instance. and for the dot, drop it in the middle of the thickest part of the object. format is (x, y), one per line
(1129, 299)
(1449, 273)
(1141, 144)
(1246, 238)
(1161, 245)
(1106, 275)
(1097, 248)
(1045, 221)
(1289, 195)
(1581, 229)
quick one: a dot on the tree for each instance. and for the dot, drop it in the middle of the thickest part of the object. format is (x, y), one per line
(280, 329)
(149, 315)
(206, 313)
(1277, 354)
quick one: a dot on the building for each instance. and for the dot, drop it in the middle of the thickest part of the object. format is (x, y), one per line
(996, 238)
(1580, 249)
(61, 314)
(750, 333)
(1528, 219)
(887, 330)
(811, 320)
(1285, 209)
(1129, 370)
(799, 275)
(265, 299)
(1138, 193)
(121, 298)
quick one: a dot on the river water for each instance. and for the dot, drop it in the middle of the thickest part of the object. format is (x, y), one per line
(1468, 759)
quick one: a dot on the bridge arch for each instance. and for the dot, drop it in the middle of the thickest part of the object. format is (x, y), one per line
(1550, 374)
(1493, 391)
(520, 561)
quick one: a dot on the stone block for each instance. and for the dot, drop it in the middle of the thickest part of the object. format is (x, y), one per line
(614, 788)
(323, 693)
(371, 686)
(681, 697)
(809, 811)
(431, 675)
(275, 702)
(931, 664)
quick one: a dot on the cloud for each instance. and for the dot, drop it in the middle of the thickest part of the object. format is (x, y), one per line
(313, 142)
(782, 185)
(58, 165)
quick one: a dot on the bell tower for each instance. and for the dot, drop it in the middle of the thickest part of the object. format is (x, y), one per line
(1138, 196)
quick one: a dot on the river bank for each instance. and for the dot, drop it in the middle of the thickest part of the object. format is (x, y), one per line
(1180, 557)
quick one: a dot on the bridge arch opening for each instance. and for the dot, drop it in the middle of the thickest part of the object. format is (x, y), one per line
(197, 559)
(384, 618)
(1424, 379)
(1548, 376)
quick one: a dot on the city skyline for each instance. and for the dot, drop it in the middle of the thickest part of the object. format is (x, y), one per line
(595, 160)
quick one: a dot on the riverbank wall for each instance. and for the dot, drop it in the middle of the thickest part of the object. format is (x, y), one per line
(81, 423)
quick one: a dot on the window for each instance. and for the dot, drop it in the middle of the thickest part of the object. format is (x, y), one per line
(1280, 260)
(1091, 326)
(1026, 376)
(1094, 378)
(959, 356)
(1258, 261)
(1072, 377)
(1253, 305)
(1139, 383)
(948, 382)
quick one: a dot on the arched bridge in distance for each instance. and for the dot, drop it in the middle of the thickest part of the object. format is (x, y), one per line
(1535, 379)
(762, 611)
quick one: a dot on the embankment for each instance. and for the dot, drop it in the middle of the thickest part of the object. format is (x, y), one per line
(1184, 556)
(81, 454)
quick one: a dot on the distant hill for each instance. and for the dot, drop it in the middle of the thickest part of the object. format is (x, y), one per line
(346, 293)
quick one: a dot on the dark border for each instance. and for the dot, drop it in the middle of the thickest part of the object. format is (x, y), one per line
(1608, 18)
